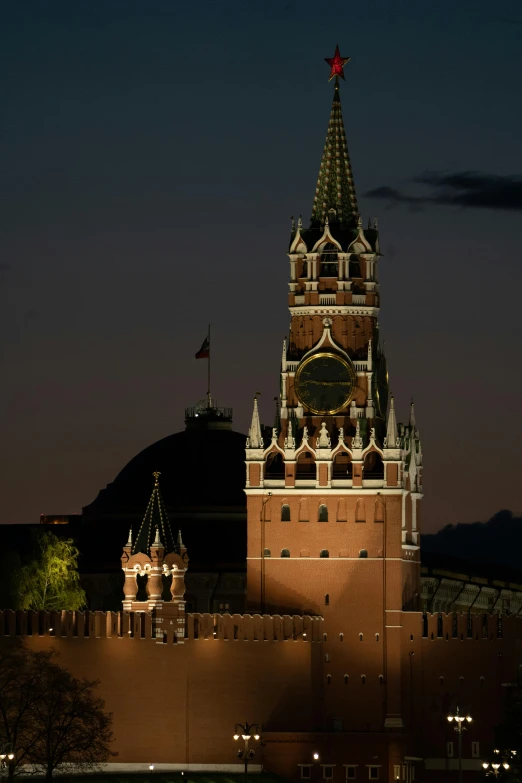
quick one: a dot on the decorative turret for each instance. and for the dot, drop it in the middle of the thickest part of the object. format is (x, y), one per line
(392, 434)
(255, 438)
(158, 561)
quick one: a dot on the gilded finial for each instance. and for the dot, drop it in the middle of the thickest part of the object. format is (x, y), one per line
(156, 475)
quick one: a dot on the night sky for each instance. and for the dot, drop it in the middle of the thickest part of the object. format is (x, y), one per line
(152, 154)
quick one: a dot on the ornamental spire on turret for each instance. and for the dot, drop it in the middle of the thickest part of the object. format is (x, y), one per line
(335, 187)
(255, 438)
(392, 432)
(155, 525)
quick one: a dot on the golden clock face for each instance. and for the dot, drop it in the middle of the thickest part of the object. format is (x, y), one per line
(325, 383)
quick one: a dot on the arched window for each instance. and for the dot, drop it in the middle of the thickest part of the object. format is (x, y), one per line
(305, 466)
(354, 267)
(379, 511)
(360, 511)
(323, 513)
(363, 679)
(342, 466)
(329, 261)
(376, 637)
(275, 466)
(304, 514)
(266, 553)
(381, 679)
(285, 553)
(341, 637)
(341, 510)
(363, 553)
(327, 599)
(373, 466)
(304, 268)
(285, 513)
(328, 678)
(360, 637)
(324, 553)
(346, 679)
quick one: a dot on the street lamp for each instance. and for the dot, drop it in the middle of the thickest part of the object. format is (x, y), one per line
(6, 755)
(247, 732)
(460, 721)
(500, 763)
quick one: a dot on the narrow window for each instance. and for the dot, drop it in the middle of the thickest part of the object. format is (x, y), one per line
(327, 599)
(324, 553)
(346, 679)
(363, 553)
(461, 679)
(411, 637)
(306, 771)
(449, 750)
(482, 680)
(266, 553)
(363, 679)
(360, 637)
(327, 658)
(341, 637)
(323, 513)
(324, 637)
(381, 679)
(285, 553)
(285, 513)
(350, 773)
(376, 637)
(475, 750)
(373, 773)
(441, 680)
(328, 679)
(327, 772)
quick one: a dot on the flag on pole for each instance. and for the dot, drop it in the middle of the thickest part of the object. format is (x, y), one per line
(204, 351)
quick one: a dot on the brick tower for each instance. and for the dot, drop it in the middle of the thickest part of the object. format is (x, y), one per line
(332, 499)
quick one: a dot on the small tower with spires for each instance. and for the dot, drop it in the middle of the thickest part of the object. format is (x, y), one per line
(154, 557)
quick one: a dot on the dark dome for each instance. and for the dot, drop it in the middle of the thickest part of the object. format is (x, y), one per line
(200, 468)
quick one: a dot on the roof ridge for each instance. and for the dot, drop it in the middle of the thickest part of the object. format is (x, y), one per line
(154, 521)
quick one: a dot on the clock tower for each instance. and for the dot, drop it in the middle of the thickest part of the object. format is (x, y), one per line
(333, 497)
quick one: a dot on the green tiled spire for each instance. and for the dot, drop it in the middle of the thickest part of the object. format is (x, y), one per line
(335, 188)
(155, 519)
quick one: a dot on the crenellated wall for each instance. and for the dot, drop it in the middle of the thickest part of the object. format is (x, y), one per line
(175, 700)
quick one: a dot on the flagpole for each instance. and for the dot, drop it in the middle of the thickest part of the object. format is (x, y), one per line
(209, 398)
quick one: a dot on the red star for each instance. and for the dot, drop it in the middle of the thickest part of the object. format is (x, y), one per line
(336, 64)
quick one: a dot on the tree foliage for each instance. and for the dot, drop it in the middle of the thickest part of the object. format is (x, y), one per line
(52, 719)
(51, 580)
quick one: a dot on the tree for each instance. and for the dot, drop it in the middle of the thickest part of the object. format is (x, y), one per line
(71, 726)
(21, 674)
(51, 579)
(52, 719)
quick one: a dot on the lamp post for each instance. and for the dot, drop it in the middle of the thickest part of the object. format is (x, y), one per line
(246, 731)
(500, 764)
(460, 720)
(6, 755)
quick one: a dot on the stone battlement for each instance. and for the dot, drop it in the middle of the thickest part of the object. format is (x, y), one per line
(160, 628)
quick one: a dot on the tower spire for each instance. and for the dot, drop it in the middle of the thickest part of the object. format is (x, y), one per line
(335, 187)
(155, 525)
(254, 433)
(391, 429)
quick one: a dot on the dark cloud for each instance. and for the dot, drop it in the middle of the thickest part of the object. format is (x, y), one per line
(462, 189)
